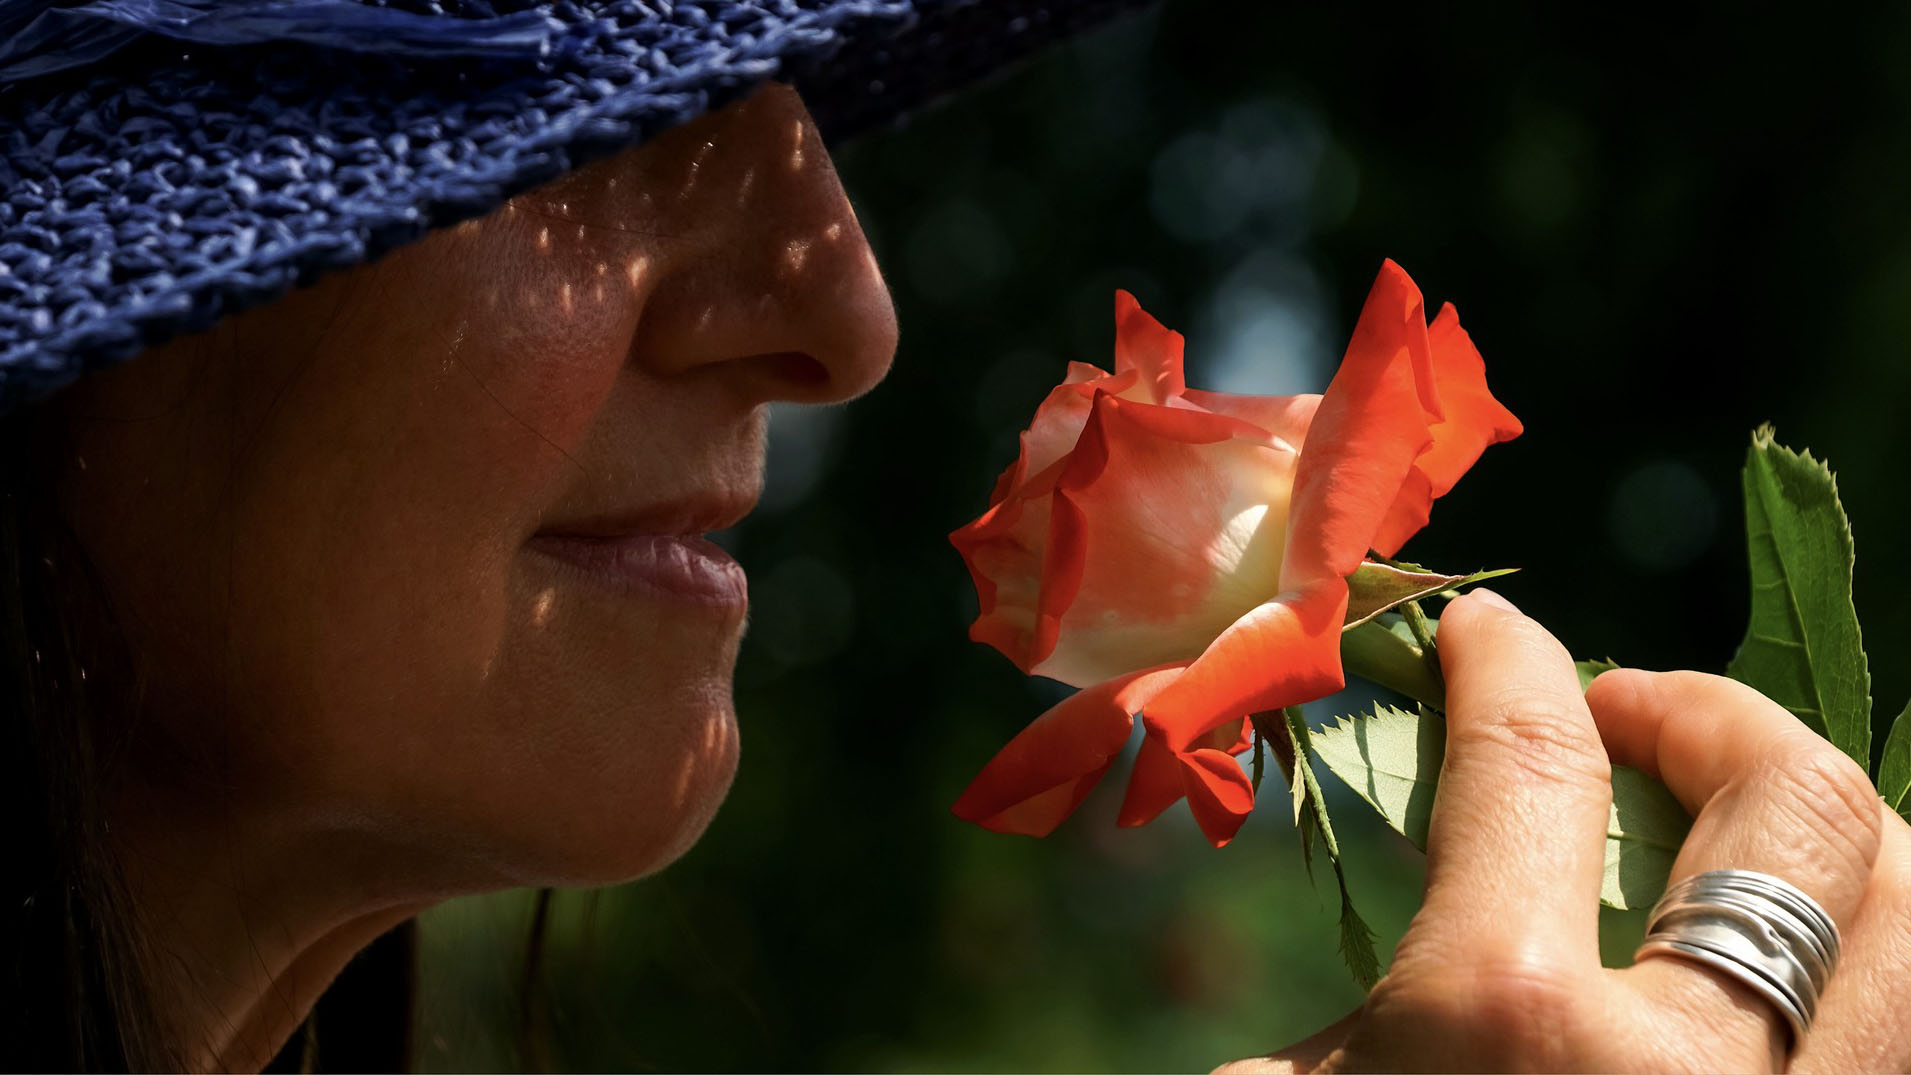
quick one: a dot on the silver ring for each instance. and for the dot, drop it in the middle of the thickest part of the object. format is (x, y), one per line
(1754, 928)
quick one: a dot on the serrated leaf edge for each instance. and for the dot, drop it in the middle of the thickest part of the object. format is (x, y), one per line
(1897, 741)
(1349, 724)
(1765, 439)
(1356, 937)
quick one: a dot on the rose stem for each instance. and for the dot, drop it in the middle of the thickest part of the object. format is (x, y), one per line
(1423, 634)
(1378, 655)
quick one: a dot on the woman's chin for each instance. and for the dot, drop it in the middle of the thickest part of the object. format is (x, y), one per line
(612, 741)
(646, 821)
(701, 786)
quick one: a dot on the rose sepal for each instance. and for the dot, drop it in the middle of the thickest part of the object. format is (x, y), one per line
(1378, 586)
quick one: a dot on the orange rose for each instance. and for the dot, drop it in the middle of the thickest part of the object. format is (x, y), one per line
(1183, 554)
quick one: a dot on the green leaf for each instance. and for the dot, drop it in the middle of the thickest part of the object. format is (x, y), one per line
(1308, 830)
(1392, 759)
(1356, 939)
(1589, 670)
(1375, 587)
(1802, 648)
(1643, 834)
(1299, 789)
(1300, 782)
(1894, 769)
(1477, 577)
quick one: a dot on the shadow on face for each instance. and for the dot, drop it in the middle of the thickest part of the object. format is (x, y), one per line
(397, 552)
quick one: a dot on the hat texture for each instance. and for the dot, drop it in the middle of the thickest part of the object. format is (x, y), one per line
(165, 163)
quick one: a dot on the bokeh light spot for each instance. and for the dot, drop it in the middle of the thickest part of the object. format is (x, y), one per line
(803, 611)
(1663, 515)
(957, 250)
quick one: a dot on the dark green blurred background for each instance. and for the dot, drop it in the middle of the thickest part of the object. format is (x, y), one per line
(1660, 234)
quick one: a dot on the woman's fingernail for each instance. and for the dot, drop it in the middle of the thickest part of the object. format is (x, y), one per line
(1491, 598)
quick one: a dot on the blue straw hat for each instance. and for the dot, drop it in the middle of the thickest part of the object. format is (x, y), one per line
(164, 163)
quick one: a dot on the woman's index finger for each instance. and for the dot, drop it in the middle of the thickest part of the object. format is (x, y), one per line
(1516, 845)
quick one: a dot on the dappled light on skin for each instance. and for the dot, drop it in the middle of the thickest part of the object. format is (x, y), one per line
(795, 253)
(391, 636)
(798, 133)
(694, 172)
(719, 745)
(457, 345)
(542, 607)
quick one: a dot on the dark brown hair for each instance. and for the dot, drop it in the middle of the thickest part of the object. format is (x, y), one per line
(74, 983)
(75, 993)
(73, 996)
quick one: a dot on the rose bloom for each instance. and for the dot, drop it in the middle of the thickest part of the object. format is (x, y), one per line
(1183, 555)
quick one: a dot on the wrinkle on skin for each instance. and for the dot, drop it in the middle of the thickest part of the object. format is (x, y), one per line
(365, 692)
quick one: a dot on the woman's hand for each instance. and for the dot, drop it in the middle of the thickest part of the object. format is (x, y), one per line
(1500, 968)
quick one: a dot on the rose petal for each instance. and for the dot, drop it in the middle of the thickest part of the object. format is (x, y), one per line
(1286, 418)
(1046, 771)
(1473, 421)
(1063, 569)
(1153, 785)
(1057, 425)
(1005, 550)
(1085, 373)
(1220, 795)
(1158, 780)
(1233, 740)
(1058, 422)
(1192, 503)
(1371, 425)
(1145, 345)
(1283, 653)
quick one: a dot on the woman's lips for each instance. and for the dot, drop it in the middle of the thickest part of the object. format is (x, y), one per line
(685, 567)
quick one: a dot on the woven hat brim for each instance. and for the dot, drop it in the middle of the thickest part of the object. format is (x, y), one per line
(157, 196)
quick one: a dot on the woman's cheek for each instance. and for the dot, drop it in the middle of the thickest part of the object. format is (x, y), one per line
(578, 739)
(552, 334)
(379, 521)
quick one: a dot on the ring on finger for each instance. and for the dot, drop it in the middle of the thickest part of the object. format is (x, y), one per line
(1761, 931)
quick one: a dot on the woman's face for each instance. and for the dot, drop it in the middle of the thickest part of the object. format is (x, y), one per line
(410, 554)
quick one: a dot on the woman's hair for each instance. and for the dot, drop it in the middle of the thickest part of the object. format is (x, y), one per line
(76, 961)
(73, 997)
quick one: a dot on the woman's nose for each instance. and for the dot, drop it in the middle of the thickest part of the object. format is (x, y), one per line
(762, 274)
